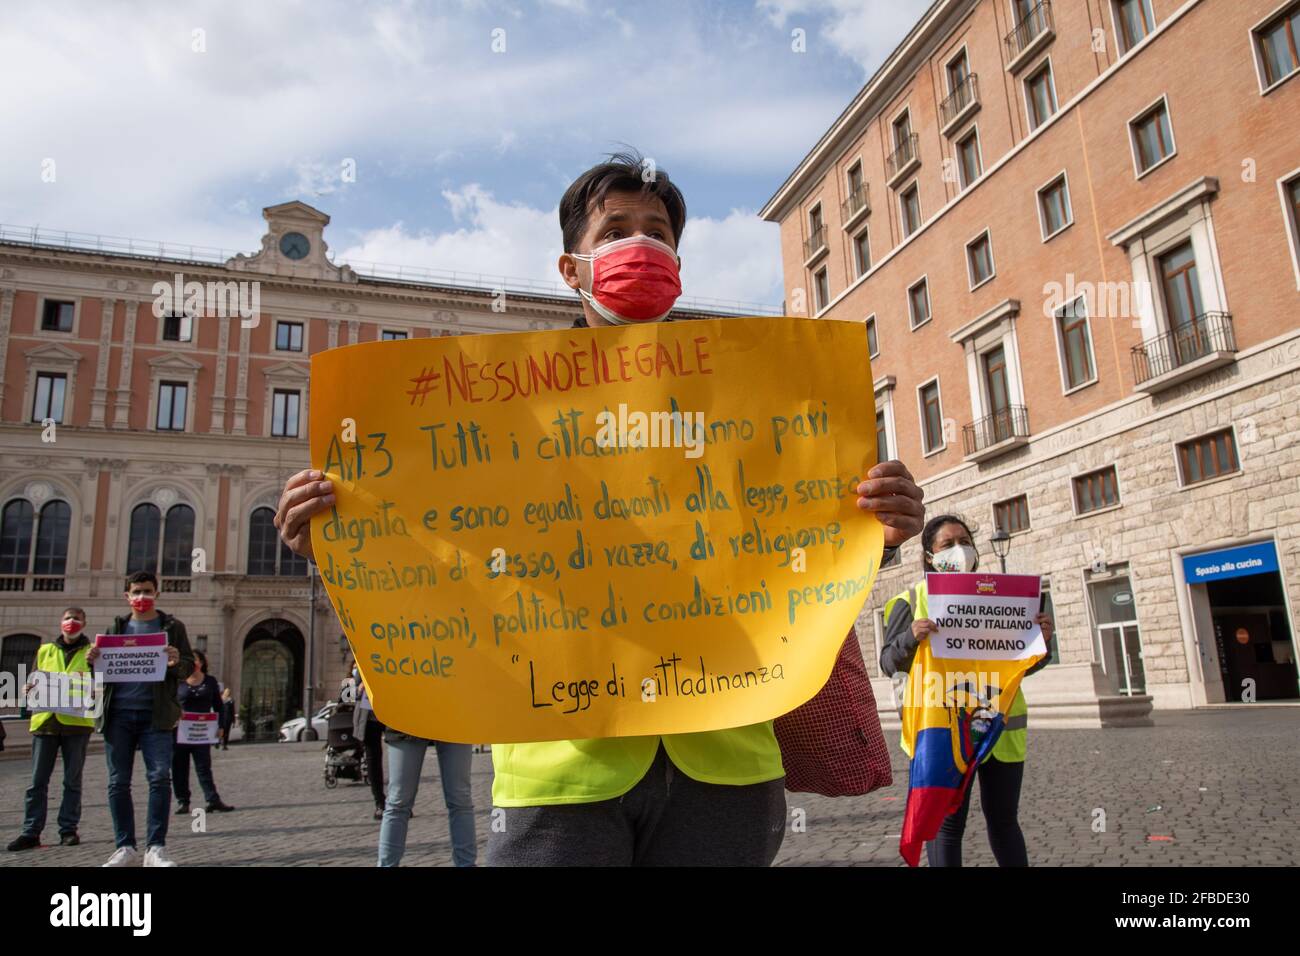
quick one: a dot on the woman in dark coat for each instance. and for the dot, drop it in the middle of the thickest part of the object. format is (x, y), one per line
(198, 694)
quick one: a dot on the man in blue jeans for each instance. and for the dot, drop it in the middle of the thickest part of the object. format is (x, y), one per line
(142, 715)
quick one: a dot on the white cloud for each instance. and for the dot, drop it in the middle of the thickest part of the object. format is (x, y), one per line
(867, 31)
(736, 258)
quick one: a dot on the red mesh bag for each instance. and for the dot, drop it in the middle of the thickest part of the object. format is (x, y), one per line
(833, 744)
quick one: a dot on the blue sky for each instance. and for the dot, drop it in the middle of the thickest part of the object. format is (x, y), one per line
(461, 150)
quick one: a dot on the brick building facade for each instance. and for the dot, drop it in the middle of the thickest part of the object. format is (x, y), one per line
(1071, 231)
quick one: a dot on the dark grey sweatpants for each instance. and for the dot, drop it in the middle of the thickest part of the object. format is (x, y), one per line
(667, 819)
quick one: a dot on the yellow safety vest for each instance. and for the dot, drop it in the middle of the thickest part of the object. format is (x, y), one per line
(50, 657)
(585, 771)
(1011, 744)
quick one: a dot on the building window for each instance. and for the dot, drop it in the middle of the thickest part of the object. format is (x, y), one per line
(172, 399)
(57, 315)
(392, 335)
(882, 437)
(288, 336)
(968, 158)
(1278, 43)
(821, 288)
(51, 387)
(855, 177)
(902, 130)
(1054, 207)
(16, 536)
(284, 413)
(1040, 96)
(1181, 285)
(1291, 210)
(1133, 21)
(178, 542)
(1117, 639)
(958, 70)
(1075, 338)
(21, 527)
(18, 653)
(143, 539)
(1208, 457)
(52, 528)
(177, 328)
(267, 554)
(1096, 491)
(1012, 516)
(931, 417)
(873, 344)
(1153, 140)
(910, 205)
(151, 538)
(979, 260)
(861, 253)
(918, 303)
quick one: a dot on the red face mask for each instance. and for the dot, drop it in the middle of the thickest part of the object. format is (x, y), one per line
(71, 627)
(632, 280)
(142, 603)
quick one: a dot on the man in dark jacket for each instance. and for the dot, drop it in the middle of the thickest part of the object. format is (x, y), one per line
(142, 716)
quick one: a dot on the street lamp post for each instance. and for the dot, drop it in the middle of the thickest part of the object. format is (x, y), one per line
(1001, 546)
(309, 732)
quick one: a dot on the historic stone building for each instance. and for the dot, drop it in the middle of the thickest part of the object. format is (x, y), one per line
(1071, 232)
(132, 440)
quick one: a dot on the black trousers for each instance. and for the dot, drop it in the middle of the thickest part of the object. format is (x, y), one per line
(1000, 799)
(202, 754)
(374, 742)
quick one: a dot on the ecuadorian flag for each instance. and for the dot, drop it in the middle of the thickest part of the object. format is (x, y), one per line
(955, 707)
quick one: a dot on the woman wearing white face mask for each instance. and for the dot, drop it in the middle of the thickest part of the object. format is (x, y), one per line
(948, 546)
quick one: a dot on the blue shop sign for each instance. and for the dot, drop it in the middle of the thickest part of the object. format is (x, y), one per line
(1230, 563)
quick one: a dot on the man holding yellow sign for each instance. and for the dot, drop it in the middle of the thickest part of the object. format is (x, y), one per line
(678, 567)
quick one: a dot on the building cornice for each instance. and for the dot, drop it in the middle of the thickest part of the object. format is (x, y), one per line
(898, 69)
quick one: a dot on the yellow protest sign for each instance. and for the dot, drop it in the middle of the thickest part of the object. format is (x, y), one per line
(596, 532)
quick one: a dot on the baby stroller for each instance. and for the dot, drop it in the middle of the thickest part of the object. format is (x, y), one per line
(345, 755)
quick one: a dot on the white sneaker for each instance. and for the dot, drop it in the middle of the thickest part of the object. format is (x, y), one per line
(125, 856)
(157, 856)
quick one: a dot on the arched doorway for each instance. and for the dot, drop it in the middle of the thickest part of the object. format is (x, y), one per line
(271, 685)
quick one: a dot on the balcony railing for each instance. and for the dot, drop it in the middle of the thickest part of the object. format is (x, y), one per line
(1206, 334)
(1035, 24)
(907, 153)
(38, 582)
(966, 95)
(859, 200)
(815, 243)
(1002, 425)
(175, 585)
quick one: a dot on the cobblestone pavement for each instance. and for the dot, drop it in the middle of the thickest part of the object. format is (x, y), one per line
(1217, 786)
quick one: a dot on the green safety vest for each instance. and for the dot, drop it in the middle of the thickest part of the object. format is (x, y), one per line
(1010, 747)
(49, 657)
(604, 768)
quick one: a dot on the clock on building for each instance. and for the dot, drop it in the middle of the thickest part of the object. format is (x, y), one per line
(294, 245)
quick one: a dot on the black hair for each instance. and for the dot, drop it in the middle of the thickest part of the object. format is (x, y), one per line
(622, 172)
(141, 577)
(932, 531)
(201, 660)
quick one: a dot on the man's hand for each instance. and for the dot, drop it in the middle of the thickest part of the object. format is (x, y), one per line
(92, 655)
(305, 494)
(1049, 628)
(173, 655)
(890, 494)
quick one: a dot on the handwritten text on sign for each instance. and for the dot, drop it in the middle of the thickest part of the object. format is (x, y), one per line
(596, 532)
(131, 657)
(985, 616)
